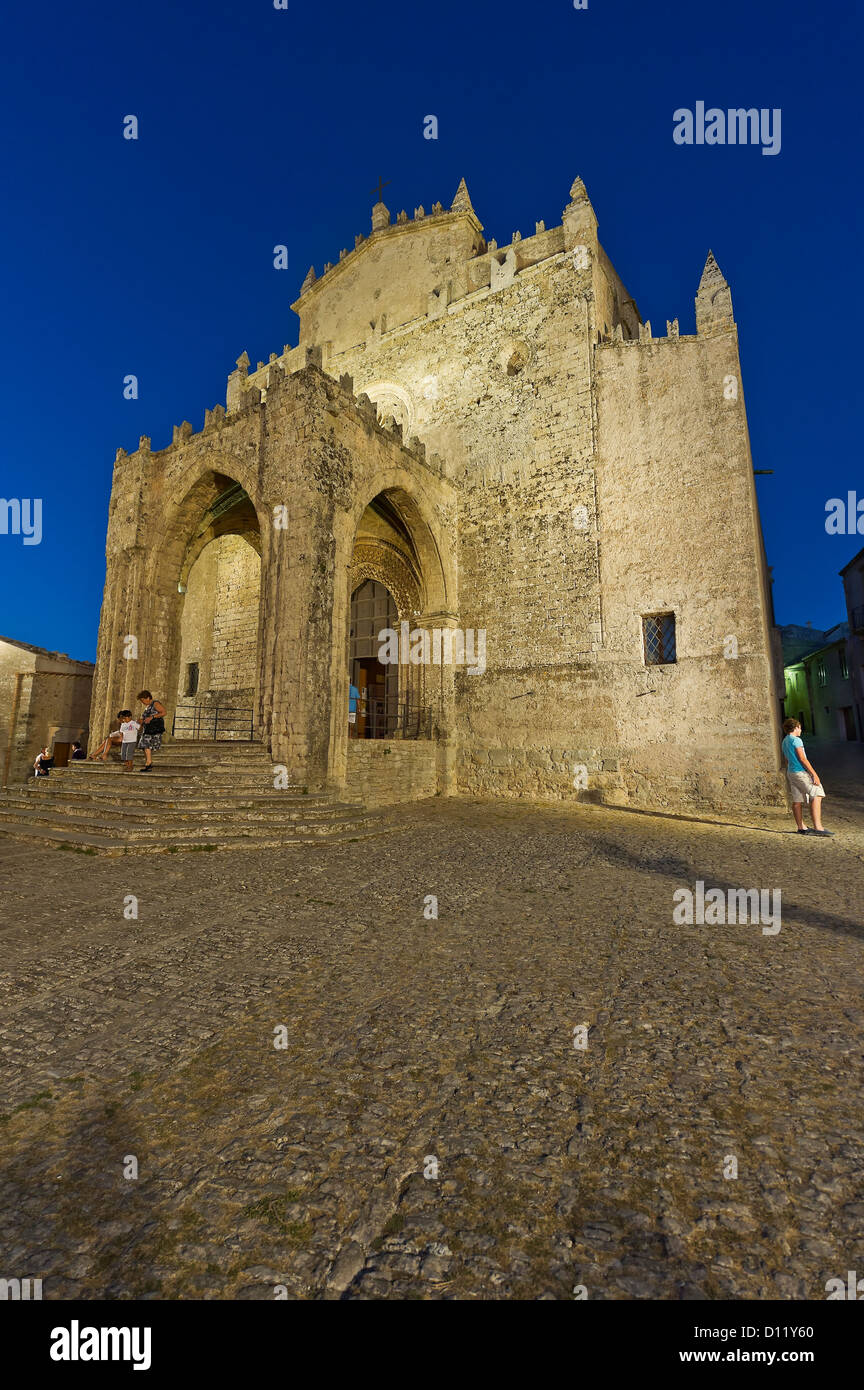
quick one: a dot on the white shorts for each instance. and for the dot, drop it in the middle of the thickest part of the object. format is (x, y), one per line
(352, 717)
(803, 788)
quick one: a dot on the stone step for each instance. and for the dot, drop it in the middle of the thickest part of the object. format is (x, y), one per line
(166, 801)
(178, 741)
(268, 813)
(102, 844)
(199, 834)
(230, 752)
(163, 777)
(158, 789)
(178, 766)
(174, 755)
(200, 798)
(228, 748)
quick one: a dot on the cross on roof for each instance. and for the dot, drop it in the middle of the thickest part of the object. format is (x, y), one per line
(382, 184)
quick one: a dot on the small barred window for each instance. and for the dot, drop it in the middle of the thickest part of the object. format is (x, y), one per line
(658, 638)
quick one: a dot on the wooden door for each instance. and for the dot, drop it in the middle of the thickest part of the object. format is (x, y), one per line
(360, 681)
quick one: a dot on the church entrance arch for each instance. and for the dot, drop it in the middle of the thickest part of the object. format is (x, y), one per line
(387, 591)
(373, 609)
(217, 676)
(401, 579)
(210, 563)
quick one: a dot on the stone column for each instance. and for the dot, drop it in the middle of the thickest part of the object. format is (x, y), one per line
(440, 694)
(298, 600)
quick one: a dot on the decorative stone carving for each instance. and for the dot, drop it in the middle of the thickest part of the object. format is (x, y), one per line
(392, 399)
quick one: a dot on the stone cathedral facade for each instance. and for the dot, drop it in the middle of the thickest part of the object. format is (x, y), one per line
(469, 438)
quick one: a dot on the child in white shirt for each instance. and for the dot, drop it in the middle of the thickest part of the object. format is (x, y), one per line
(129, 729)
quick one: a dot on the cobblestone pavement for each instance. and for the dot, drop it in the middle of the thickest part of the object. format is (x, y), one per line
(411, 1038)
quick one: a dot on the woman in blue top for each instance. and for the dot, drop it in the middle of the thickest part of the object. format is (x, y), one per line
(804, 783)
(353, 697)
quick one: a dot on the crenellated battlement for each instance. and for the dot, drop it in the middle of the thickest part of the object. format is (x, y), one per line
(340, 396)
(432, 268)
(423, 268)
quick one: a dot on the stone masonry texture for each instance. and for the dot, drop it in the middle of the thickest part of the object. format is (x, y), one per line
(54, 700)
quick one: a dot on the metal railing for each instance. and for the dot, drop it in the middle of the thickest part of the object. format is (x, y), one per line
(406, 721)
(214, 722)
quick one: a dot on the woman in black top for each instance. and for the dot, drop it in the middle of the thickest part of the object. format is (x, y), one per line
(153, 726)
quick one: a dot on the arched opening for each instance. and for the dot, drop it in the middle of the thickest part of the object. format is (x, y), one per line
(215, 672)
(387, 590)
(399, 535)
(373, 609)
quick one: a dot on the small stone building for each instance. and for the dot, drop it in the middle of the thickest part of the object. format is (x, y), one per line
(829, 681)
(44, 699)
(852, 575)
(484, 444)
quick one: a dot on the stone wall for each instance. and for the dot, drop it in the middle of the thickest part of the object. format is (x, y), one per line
(679, 534)
(219, 625)
(54, 702)
(382, 772)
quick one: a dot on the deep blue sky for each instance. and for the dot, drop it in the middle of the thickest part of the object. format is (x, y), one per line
(260, 127)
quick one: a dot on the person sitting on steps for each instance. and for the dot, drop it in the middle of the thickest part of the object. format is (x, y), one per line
(43, 763)
(113, 739)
